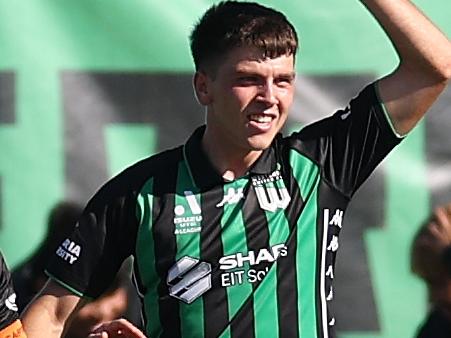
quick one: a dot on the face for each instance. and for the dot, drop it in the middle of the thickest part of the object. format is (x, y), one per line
(248, 98)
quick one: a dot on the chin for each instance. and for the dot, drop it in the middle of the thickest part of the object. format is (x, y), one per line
(259, 144)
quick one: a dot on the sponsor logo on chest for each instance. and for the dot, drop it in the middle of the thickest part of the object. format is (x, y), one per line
(233, 196)
(188, 217)
(233, 267)
(188, 279)
(271, 192)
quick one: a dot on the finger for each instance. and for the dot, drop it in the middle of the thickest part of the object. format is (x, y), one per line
(98, 335)
(119, 328)
(434, 230)
(127, 327)
(111, 326)
(122, 324)
(99, 329)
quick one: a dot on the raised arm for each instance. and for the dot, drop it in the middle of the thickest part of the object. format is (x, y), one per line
(48, 313)
(425, 61)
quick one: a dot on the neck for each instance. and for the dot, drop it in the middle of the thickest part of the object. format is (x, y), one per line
(229, 160)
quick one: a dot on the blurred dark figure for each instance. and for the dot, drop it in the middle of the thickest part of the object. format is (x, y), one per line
(431, 260)
(118, 301)
(29, 277)
(10, 324)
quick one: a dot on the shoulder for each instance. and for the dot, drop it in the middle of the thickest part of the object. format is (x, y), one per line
(130, 181)
(363, 111)
(150, 167)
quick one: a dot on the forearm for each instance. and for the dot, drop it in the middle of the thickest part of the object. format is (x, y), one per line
(425, 61)
(50, 312)
(40, 320)
(420, 45)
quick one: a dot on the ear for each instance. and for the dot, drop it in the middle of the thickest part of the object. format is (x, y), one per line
(201, 83)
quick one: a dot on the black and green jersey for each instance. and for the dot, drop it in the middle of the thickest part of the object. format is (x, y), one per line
(253, 257)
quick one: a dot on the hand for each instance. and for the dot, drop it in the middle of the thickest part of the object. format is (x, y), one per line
(430, 244)
(119, 328)
(440, 226)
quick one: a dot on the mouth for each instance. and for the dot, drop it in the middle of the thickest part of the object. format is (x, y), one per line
(260, 118)
(260, 123)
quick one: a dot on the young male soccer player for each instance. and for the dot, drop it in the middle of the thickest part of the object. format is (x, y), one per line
(10, 324)
(235, 232)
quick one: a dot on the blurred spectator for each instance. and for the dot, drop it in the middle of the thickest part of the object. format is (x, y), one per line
(431, 260)
(29, 277)
(118, 301)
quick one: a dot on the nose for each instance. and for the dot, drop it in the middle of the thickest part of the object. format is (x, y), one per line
(267, 93)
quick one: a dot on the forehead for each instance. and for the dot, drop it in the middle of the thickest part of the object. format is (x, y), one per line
(251, 59)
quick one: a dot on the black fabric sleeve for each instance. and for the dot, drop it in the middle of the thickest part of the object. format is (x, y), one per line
(351, 143)
(87, 261)
(8, 308)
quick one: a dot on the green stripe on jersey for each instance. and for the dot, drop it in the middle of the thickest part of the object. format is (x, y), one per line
(266, 305)
(265, 299)
(233, 241)
(188, 206)
(226, 333)
(305, 171)
(279, 229)
(306, 258)
(145, 250)
(307, 175)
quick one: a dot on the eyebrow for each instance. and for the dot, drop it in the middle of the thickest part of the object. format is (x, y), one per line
(244, 71)
(290, 75)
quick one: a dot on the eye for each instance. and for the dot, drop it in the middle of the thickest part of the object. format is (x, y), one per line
(247, 80)
(284, 81)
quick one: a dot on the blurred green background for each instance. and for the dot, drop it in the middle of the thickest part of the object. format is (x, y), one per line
(51, 48)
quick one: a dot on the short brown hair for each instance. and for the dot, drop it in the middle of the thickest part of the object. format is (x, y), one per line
(231, 24)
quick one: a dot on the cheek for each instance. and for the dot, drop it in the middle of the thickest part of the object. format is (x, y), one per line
(282, 121)
(242, 96)
(286, 99)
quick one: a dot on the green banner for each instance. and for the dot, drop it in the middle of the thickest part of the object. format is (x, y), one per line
(90, 86)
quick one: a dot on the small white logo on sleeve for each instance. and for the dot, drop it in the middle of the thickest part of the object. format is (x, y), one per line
(346, 113)
(337, 218)
(69, 251)
(330, 272)
(10, 303)
(333, 246)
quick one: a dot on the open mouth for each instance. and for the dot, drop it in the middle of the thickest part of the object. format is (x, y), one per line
(260, 123)
(260, 118)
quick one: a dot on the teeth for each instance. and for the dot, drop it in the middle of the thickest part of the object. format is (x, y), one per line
(260, 118)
